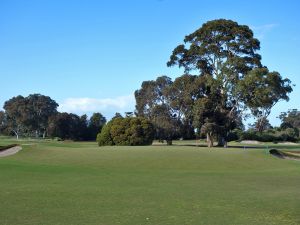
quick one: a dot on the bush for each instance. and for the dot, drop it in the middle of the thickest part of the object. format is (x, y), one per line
(129, 131)
(104, 137)
(272, 135)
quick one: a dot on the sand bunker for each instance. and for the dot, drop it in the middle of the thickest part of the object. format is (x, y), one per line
(10, 151)
(285, 154)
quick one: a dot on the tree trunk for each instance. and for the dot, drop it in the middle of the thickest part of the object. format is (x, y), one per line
(169, 142)
(210, 141)
(44, 134)
(16, 133)
(222, 142)
(225, 144)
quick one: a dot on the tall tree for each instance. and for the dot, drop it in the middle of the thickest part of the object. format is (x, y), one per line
(96, 122)
(2, 122)
(38, 110)
(153, 102)
(183, 93)
(14, 109)
(290, 119)
(227, 52)
(261, 90)
(29, 114)
(67, 126)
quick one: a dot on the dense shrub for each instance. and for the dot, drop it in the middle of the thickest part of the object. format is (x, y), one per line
(129, 131)
(104, 137)
(271, 135)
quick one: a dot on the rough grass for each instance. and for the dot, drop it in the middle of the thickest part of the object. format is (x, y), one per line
(80, 183)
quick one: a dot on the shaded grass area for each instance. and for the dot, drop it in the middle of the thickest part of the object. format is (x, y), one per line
(80, 183)
(3, 148)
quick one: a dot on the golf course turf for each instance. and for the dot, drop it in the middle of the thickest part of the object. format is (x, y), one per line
(63, 183)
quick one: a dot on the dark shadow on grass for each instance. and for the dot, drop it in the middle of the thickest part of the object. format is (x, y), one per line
(229, 146)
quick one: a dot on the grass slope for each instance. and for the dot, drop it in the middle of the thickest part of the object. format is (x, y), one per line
(80, 183)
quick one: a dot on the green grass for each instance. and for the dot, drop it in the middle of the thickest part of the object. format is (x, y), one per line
(79, 183)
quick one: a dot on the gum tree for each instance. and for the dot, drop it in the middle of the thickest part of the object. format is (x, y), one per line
(227, 52)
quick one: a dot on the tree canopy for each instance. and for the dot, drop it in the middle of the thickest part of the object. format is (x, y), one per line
(36, 116)
(230, 80)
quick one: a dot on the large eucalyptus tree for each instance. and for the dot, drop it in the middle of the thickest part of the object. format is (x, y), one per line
(227, 52)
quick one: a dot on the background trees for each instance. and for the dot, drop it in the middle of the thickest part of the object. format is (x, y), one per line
(95, 124)
(2, 122)
(36, 114)
(29, 114)
(67, 126)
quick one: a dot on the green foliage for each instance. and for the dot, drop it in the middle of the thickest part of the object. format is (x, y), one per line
(260, 90)
(227, 53)
(94, 126)
(271, 135)
(290, 119)
(155, 101)
(104, 138)
(219, 46)
(29, 114)
(67, 126)
(129, 131)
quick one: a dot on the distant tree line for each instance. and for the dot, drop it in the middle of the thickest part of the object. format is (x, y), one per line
(288, 130)
(36, 116)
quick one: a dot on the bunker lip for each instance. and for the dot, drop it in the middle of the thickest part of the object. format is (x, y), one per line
(285, 154)
(11, 150)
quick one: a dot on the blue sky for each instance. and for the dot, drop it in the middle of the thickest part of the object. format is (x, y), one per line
(92, 55)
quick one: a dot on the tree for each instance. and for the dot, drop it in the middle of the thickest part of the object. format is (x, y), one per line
(261, 90)
(67, 126)
(167, 126)
(262, 124)
(117, 115)
(210, 115)
(126, 131)
(153, 102)
(14, 110)
(3, 122)
(290, 119)
(96, 122)
(104, 137)
(183, 93)
(29, 114)
(151, 94)
(227, 52)
(38, 110)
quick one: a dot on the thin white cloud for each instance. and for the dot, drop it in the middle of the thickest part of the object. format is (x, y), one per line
(261, 31)
(90, 105)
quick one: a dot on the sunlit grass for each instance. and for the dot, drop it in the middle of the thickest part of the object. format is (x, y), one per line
(80, 183)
